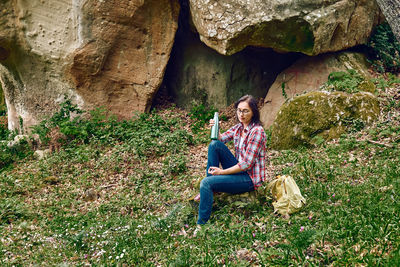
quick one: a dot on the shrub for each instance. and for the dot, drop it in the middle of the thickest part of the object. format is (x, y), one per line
(344, 81)
(3, 110)
(63, 120)
(148, 135)
(9, 155)
(201, 115)
(5, 158)
(4, 132)
(384, 49)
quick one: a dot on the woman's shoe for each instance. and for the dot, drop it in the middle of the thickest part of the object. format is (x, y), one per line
(197, 230)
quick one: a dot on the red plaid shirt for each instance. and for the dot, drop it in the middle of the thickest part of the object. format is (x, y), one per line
(252, 154)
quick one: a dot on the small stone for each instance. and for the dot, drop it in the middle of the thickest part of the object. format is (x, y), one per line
(40, 154)
(90, 195)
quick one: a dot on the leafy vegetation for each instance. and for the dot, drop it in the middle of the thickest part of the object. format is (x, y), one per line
(384, 49)
(9, 155)
(4, 132)
(3, 110)
(117, 194)
(344, 81)
(283, 85)
(201, 115)
(386, 80)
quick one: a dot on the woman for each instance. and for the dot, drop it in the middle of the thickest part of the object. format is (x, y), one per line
(240, 173)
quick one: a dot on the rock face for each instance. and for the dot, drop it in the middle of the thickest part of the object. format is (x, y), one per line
(33, 40)
(99, 53)
(305, 119)
(308, 26)
(307, 75)
(123, 66)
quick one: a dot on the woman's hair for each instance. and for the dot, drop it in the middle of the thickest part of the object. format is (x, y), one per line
(253, 105)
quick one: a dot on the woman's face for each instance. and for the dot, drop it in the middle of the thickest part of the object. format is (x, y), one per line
(244, 113)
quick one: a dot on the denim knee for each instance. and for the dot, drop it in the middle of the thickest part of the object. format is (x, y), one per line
(214, 144)
(204, 184)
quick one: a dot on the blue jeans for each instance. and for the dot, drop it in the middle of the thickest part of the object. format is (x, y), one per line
(233, 183)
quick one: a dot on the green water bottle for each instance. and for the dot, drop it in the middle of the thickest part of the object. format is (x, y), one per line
(215, 128)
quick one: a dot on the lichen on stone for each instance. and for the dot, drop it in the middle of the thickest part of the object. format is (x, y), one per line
(367, 86)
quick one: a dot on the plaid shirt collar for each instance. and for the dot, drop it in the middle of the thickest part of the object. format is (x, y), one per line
(248, 128)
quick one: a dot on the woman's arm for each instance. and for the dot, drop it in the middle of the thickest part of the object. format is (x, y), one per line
(218, 171)
(226, 136)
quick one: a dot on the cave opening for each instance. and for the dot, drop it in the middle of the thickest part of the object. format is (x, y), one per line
(197, 74)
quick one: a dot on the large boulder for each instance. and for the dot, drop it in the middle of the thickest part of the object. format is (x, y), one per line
(308, 26)
(306, 75)
(306, 119)
(98, 53)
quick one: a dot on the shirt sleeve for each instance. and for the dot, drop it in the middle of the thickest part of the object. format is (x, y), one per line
(255, 144)
(228, 135)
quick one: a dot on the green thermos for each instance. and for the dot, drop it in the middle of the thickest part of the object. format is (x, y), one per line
(215, 128)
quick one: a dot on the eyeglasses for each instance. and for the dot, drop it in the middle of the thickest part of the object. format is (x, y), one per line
(243, 111)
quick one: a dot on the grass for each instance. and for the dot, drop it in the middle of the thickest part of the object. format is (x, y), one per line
(117, 195)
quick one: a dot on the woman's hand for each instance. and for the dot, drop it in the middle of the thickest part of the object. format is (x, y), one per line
(212, 122)
(218, 171)
(215, 171)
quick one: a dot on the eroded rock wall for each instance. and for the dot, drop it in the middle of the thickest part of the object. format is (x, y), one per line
(98, 53)
(36, 36)
(123, 63)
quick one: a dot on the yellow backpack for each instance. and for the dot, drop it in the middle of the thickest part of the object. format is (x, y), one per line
(286, 195)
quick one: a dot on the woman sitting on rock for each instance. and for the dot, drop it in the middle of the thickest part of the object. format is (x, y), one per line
(240, 173)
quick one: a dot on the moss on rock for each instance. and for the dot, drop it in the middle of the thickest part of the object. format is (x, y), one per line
(350, 81)
(305, 119)
(367, 86)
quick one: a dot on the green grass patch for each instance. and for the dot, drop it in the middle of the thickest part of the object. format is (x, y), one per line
(117, 194)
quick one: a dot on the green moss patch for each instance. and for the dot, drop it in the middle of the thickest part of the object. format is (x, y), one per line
(349, 81)
(309, 118)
